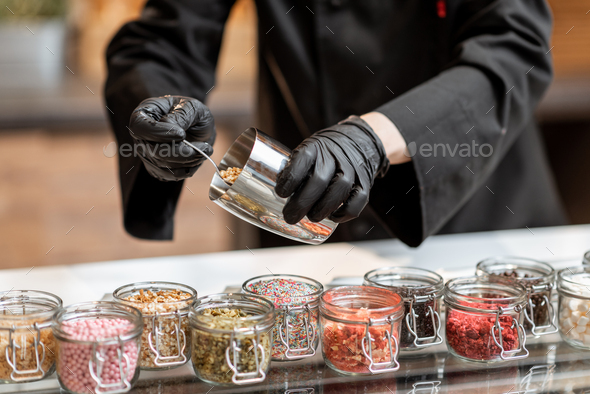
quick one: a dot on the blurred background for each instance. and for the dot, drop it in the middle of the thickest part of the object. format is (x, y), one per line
(59, 191)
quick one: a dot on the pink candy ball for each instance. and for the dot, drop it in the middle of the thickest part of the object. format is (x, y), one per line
(73, 358)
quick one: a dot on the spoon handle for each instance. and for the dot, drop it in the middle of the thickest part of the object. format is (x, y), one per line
(206, 156)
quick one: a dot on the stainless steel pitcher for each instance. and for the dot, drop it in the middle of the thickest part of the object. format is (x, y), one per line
(252, 196)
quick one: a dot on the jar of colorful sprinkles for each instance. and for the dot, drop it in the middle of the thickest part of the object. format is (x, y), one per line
(296, 300)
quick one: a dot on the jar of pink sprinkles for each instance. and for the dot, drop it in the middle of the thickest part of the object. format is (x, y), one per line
(97, 347)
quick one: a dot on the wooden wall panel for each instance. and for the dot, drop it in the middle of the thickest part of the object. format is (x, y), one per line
(571, 37)
(97, 20)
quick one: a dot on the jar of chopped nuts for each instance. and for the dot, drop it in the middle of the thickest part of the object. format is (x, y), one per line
(231, 338)
(27, 345)
(165, 341)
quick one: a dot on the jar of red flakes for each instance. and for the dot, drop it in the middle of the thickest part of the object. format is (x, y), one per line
(422, 292)
(539, 280)
(484, 319)
(360, 328)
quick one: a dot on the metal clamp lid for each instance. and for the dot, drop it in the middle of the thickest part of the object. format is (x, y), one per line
(510, 354)
(12, 347)
(543, 371)
(175, 359)
(95, 365)
(422, 342)
(385, 366)
(529, 316)
(298, 353)
(240, 378)
(432, 387)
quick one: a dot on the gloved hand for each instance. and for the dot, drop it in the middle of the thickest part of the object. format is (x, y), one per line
(331, 173)
(159, 124)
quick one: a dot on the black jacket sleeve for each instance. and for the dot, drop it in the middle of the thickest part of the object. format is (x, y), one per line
(172, 49)
(500, 69)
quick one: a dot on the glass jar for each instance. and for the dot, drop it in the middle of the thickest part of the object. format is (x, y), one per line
(97, 347)
(422, 291)
(231, 338)
(573, 287)
(484, 319)
(165, 341)
(27, 345)
(538, 278)
(360, 328)
(296, 301)
(586, 259)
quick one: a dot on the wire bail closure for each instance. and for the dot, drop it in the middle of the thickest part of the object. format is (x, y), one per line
(509, 354)
(419, 342)
(432, 386)
(384, 366)
(529, 314)
(240, 378)
(11, 348)
(162, 361)
(124, 385)
(545, 371)
(298, 353)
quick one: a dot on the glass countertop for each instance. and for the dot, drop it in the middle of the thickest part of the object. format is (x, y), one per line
(552, 367)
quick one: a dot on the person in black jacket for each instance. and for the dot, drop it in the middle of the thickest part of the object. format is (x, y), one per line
(431, 103)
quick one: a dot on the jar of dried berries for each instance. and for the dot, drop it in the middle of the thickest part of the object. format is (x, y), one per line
(484, 319)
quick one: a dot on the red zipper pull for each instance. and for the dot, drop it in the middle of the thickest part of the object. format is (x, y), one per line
(441, 8)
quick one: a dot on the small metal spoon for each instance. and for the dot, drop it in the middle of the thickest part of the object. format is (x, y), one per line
(208, 158)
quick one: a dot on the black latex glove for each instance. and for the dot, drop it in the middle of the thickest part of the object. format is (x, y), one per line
(331, 173)
(159, 124)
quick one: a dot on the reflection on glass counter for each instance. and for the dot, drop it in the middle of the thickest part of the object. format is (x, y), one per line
(552, 367)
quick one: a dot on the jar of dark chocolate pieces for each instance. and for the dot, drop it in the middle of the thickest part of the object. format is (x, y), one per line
(421, 291)
(539, 280)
